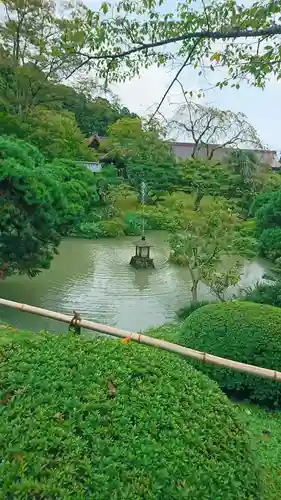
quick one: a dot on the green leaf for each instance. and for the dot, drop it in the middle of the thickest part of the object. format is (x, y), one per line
(105, 7)
(56, 52)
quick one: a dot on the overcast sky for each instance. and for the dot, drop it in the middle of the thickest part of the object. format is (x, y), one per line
(262, 107)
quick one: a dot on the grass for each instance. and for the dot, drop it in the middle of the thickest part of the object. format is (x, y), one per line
(264, 426)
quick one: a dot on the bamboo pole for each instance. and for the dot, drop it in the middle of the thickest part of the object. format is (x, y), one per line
(144, 339)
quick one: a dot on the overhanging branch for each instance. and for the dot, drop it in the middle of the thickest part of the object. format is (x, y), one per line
(187, 60)
(211, 35)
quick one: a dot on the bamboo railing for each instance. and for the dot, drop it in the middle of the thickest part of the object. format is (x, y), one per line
(145, 339)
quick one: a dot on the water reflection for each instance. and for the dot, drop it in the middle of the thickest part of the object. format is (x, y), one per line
(142, 280)
(94, 277)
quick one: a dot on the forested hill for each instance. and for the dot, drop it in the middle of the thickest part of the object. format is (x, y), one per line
(56, 118)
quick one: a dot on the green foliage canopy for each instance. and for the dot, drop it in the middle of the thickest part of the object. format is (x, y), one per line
(189, 32)
(41, 202)
(149, 427)
(267, 211)
(144, 155)
(31, 207)
(57, 135)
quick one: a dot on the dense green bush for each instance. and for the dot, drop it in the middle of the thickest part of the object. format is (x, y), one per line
(90, 230)
(33, 210)
(108, 420)
(270, 243)
(242, 331)
(113, 227)
(185, 311)
(265, 293)
(134, 223)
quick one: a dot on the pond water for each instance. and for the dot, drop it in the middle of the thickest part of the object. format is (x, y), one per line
(95, 278)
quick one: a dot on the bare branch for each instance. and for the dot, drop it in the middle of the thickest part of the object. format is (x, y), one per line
(174, 80)
(212, 128)
(206, 15)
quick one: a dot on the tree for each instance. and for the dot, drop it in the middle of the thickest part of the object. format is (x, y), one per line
(220, 280)
(40, 203)
(144, 156)
(95, 115)
(267, 211)
(31, 209)
(120, 40)
(205, 178)
(56, 134)
(21, 87)
(239, 179)
(249, 176)
(31, 32)
(206, 240)
(212, 129)
(79, 189)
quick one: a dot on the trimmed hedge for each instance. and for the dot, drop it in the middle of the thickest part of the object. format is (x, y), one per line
(107, 420)
(242, 331)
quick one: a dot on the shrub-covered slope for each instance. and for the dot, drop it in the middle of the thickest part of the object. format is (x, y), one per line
(107, 420)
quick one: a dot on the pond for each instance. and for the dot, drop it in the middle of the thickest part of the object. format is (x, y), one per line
(94, 278)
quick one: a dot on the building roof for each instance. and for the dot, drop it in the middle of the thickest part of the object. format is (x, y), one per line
(192, 144)
(95, 138)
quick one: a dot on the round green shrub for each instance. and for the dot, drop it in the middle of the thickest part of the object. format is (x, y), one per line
(107, 420)
(242, 331)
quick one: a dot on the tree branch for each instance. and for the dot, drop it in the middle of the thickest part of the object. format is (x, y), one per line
(211, 35)
(174, 80)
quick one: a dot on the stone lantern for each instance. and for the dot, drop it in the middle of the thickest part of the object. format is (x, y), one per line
(141, 259)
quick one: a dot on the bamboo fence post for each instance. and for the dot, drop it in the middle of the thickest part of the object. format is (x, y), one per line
(145, 339)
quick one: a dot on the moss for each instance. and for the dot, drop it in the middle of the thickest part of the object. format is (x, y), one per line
(109, 420)
(242, 331)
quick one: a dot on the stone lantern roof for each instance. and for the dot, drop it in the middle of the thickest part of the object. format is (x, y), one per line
(143, 243)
